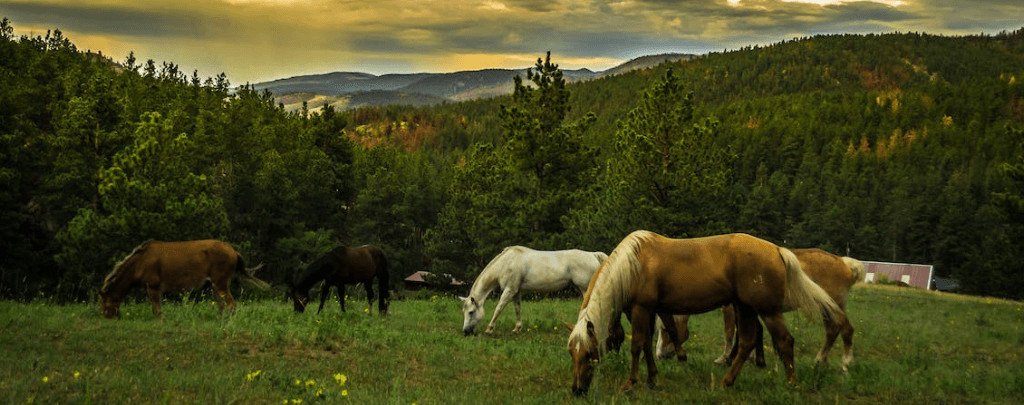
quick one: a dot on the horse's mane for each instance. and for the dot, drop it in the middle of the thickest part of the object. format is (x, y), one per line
(123, 264)
(317, 270)
(608, 290)
(500, 261)
(856, 267)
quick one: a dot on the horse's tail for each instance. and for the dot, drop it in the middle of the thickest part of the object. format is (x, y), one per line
(247, 274)
(856, 268)
(804, 293)
(383, 282)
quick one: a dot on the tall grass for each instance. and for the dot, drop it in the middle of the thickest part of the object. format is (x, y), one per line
(911, 348)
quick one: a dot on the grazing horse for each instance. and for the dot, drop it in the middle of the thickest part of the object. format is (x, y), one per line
(175, 266)
(836, 275)
(344, 265)
(519, 268)
(648, 275)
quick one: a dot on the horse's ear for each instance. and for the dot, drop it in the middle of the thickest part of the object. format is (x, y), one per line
(567, 326)
(463, 299)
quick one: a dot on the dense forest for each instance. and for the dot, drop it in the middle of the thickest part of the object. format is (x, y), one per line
(898, 147)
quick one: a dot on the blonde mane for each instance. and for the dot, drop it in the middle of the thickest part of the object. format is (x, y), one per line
(121, 265)
(608, 291)
(856, 267)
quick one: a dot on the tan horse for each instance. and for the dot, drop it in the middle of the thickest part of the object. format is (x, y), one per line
(175, 266)
(648, 275)
(836, 275)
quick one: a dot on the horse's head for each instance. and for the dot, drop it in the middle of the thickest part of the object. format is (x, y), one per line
(472, 314)
(585, 354)
(109, 307)
(299, 299)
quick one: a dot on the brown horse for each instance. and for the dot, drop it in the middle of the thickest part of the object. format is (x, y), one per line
(344, 265)
(836, 275)
(648, 275)
(175, 266)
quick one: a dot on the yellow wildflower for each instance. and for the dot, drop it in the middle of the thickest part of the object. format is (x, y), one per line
(77, 374)
(310, 383)
(340, 378)
(46, 379)
(344, 393)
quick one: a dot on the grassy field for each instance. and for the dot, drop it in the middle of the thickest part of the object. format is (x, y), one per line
(911, 347)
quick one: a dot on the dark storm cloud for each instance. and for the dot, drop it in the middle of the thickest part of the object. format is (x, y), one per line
(101, 20)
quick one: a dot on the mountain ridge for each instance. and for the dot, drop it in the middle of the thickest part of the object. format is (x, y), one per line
(317, 90)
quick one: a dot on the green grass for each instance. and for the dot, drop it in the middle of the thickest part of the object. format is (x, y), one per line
(911, 347)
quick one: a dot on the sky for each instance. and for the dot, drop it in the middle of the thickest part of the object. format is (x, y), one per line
(254, 41)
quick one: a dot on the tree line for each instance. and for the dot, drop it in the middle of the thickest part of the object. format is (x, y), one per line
(882, 147)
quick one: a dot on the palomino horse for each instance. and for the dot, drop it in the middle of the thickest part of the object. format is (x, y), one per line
(344, 265)
(648, 275)
(836, 275)
(175, 266)
(519, 268)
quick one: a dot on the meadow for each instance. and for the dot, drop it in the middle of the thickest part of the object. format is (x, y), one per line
(911, 347)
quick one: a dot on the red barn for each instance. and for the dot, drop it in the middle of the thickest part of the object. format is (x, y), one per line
(915, 275)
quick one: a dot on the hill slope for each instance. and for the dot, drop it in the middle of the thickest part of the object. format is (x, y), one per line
(422, 88)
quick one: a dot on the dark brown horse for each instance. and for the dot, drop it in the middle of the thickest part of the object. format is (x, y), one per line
(649, 275)
(344, 265)
(836, 275)
(175, 266)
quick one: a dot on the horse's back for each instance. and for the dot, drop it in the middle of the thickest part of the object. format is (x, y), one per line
(361, 263)
(187, 264)
(701, 274)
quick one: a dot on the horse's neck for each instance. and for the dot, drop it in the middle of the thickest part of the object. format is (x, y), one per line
(312, 276)
(486, 282)
(605, 302)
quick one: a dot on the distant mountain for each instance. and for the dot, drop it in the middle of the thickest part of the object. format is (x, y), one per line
(645, 62)
(347, 90)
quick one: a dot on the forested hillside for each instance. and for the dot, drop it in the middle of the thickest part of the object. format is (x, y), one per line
(901, 147)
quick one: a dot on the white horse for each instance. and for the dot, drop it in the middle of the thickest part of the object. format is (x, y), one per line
(519, 268)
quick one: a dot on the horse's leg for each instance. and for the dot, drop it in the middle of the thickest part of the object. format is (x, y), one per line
(847, 332)
(834, 326)
(324, 293)
(506, 296)
(519, 313)
(674, 331)
(783, 342)
(759, 348)
(665, 346)
(643, 323)
(729, 319)
(154, 297)
(745, 327)
(368, 285)
(341, 295)
(223, 291)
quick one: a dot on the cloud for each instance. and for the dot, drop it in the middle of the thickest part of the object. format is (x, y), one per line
(255, 40)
